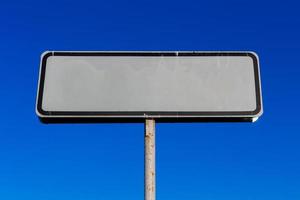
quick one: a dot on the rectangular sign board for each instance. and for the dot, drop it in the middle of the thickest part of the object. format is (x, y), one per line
(177, 85)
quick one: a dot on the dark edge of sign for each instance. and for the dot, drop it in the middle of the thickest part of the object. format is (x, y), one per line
(76, 120)
(50, 116)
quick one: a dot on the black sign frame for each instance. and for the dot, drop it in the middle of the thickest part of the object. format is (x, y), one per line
(98, 116)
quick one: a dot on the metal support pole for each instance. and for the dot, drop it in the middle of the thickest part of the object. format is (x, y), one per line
(150, 159)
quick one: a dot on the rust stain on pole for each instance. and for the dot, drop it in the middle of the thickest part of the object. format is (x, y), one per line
(150, 159)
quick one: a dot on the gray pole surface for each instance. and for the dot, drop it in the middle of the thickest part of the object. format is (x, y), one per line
(150, 159)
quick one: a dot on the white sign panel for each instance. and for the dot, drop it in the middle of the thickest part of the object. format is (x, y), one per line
(160, 85)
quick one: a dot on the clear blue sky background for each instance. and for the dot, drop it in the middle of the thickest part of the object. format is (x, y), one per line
(215, 161)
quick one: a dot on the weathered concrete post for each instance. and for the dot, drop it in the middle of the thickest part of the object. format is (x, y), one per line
(150, 159)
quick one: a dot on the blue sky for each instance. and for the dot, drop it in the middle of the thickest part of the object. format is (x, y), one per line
(215, 161)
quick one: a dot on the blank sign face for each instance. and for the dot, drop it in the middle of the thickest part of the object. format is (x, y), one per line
(149, 84)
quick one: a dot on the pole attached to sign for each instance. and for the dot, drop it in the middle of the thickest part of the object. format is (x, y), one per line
(175, 85)
(150, 159)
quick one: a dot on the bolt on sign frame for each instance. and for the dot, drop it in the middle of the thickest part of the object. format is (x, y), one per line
(122, 86)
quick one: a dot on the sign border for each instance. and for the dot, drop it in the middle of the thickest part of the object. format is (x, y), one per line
(215, 115)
